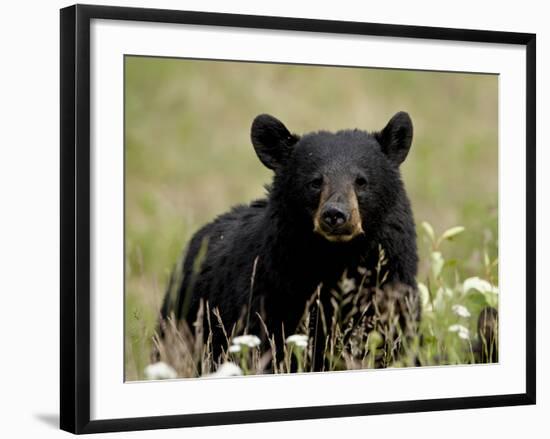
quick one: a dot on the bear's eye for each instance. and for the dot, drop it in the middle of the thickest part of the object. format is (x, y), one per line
(316, 183)
(360, 182)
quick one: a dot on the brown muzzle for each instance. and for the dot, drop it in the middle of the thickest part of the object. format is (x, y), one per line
(337, 217)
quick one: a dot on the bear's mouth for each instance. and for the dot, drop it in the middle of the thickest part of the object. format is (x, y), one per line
(338, 237)
(343, 234)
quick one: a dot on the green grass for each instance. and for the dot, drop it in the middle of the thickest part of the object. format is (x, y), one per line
(188, 158)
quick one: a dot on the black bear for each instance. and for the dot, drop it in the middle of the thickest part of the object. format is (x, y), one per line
(336, 207)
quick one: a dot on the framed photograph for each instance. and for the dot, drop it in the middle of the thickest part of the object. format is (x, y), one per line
(275, 218)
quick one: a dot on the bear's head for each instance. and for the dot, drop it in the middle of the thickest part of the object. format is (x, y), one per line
(341, 184)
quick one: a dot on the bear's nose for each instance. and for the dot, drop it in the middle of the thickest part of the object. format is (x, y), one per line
(334, 216)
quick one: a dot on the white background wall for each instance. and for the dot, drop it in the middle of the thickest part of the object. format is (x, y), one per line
(29, 206)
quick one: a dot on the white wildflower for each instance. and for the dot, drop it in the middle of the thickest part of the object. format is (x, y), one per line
(160, 371)
(455, 328)
(301, 344)
(226, 370)
(234, 348)
(296, 337)
(461, 330)
(247, 340)
(298, 340)
(461, 311)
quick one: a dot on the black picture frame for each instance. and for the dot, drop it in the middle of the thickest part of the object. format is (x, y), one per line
(75, 217)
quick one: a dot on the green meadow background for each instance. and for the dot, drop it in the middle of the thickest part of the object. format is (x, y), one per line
(188, 156)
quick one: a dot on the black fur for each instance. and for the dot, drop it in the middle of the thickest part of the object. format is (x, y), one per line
(293, 260)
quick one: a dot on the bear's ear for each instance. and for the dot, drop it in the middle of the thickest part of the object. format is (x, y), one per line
(396, 138)
(272, 141)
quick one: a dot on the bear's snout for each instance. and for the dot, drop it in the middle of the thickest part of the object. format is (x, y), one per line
(338, 219)
(334, 216)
